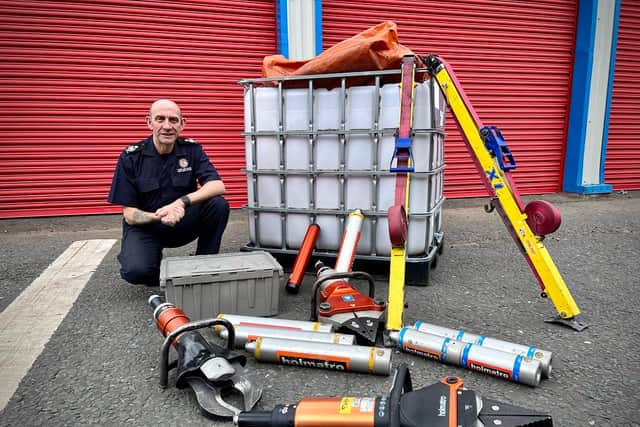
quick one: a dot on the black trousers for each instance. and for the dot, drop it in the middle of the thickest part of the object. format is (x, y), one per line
(141, 250)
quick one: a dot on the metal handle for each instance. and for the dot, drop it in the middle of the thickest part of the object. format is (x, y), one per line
(191, 326)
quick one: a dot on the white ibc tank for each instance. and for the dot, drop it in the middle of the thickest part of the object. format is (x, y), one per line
(267, 157)
(420, 226)
(296, 147)
(297, 117)
(329, 164)
(362, 103)
(327, 117)
(328, 112)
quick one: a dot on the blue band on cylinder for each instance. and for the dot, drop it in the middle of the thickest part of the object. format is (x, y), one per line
(531, 352)
(443, 349)
(465, 355)
(401, 337)
(516, 368)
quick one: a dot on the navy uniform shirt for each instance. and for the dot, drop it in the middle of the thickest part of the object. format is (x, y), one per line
(147, 180)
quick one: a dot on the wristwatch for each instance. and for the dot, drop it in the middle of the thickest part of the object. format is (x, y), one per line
(186, 200)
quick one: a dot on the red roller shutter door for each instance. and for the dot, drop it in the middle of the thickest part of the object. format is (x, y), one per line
(77, 78)
(622, 165)
(514, 60)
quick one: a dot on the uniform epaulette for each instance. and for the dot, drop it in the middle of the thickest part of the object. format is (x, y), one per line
(135, 147)
(187, 141)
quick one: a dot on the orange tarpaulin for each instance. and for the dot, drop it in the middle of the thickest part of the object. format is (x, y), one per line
(376, 48)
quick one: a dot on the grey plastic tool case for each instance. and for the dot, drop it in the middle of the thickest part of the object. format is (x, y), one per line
(236, 283)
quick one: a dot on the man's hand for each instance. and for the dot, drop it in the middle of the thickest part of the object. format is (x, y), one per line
(171, 214)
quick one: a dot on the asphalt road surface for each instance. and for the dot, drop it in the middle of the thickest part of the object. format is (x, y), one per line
(101, 365)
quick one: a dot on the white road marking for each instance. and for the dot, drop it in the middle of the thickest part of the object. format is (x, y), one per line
(28, 323)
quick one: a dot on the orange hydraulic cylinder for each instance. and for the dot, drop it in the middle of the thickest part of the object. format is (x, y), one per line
(334, 411)
(168, 317)
(302, 259)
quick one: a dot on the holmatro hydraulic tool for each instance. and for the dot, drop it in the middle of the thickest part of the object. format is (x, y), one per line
(335, 301)
(443, 404)
(342, 305)
(212, 372)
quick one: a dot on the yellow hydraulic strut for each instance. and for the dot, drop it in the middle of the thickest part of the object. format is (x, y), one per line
(397, 214)
(493, 161)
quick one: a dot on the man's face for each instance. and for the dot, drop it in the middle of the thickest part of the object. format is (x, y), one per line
(166, 122)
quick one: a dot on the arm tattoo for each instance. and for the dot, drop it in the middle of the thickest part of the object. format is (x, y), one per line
(140, 218)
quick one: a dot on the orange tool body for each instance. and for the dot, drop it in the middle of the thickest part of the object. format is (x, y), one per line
(169, 319)
(344, 298)
(302, 259)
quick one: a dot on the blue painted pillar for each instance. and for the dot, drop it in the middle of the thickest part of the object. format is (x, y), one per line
(591, 92)
(299, 26)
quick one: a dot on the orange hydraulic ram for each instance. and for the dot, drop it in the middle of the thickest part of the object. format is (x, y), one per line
(302, 259)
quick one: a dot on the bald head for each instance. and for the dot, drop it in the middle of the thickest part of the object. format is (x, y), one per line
(162, 104)
(166, 121)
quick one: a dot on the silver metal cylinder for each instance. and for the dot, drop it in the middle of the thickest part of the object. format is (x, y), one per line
(272, 322)
(336, 357)
(508, 366)
(246, 334)
(542, 356)
(349, 243)
(423, 345)
(323, 271)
